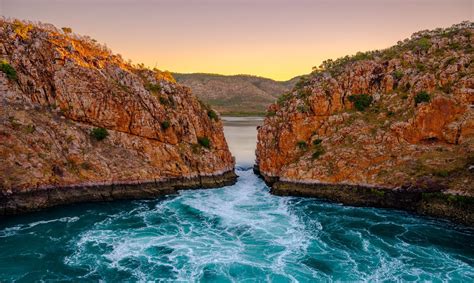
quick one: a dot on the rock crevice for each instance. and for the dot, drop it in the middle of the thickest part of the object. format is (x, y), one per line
(65, 85)
(394, 118)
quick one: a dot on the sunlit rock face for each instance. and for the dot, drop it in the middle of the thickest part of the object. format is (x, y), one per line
(67, 85)
(403, 116)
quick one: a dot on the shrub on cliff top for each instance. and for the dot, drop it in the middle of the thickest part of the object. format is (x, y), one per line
(423, 43)
(204, 142)
(303, 81)
(361, 101)
(8, 70)
(21, 29)
(99, 133)
(67, 30)
(421, 97)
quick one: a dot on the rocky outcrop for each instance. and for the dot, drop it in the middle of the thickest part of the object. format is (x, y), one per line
(77, 118)
(396, 120)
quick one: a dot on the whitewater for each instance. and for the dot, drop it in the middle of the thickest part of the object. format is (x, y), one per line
(239, 233)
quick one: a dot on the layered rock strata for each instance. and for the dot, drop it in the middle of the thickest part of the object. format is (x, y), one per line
(78, 123)
(378, 126)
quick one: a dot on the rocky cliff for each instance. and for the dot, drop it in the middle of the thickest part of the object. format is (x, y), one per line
(379, 126)
(78, 123)
(236, 95)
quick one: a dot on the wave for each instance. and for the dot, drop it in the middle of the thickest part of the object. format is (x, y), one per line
(232, 234)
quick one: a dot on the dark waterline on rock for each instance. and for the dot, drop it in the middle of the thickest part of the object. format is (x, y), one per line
(232, 233)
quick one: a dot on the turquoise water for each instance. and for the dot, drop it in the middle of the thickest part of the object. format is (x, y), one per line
(232, 234)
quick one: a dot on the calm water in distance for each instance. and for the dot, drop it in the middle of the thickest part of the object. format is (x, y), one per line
(239, 233)
(241, 136)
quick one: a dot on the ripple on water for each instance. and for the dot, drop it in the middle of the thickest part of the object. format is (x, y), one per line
(232, 234)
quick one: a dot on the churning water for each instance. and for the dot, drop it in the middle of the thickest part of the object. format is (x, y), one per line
(236, 233)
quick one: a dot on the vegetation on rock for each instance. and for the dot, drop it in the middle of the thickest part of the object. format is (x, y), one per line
(421, 97)
(21, 29)
(361, 101)
(8, 70)
(212, 114)
(67, 29)
(55, 112)
(414, 117)
(165, 124)
(302, 145)
(99, 133)
(204, 142)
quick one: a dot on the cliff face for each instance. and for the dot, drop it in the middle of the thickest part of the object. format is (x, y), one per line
(397, 118)
(235, 95)
(59, 91)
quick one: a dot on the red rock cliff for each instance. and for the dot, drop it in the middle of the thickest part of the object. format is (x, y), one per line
(398, 117)
(56, 87)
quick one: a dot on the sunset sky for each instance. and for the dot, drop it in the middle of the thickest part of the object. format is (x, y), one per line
(279, 39)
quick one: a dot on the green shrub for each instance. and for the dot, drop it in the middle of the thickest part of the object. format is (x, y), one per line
(283, 98)
(304, 92)
(303, 80)
(318, 151)
(204, 142)
(390, 54)
(450, 61)
(30, 129)
(165, 124)
(361, 101)
(441, 173)
(8, 70)
(317, 141)
(270, 113)
(302, 145)
(362, 56)
(164, 100)
(423, 43)
(212, 114)
(421, 97)
(421, 67)
(155, 88)
(99, 133)
(459, 199)
(397, 74)
(377, 192)
(303, 108)
(446, 88)
(86, 166)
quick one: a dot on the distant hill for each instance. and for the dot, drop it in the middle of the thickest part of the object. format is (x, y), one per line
(235, 95)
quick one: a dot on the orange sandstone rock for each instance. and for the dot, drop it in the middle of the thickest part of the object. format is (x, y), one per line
(65, 86)
(318, 135)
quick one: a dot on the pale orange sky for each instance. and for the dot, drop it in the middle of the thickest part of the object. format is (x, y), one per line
(278, 39)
